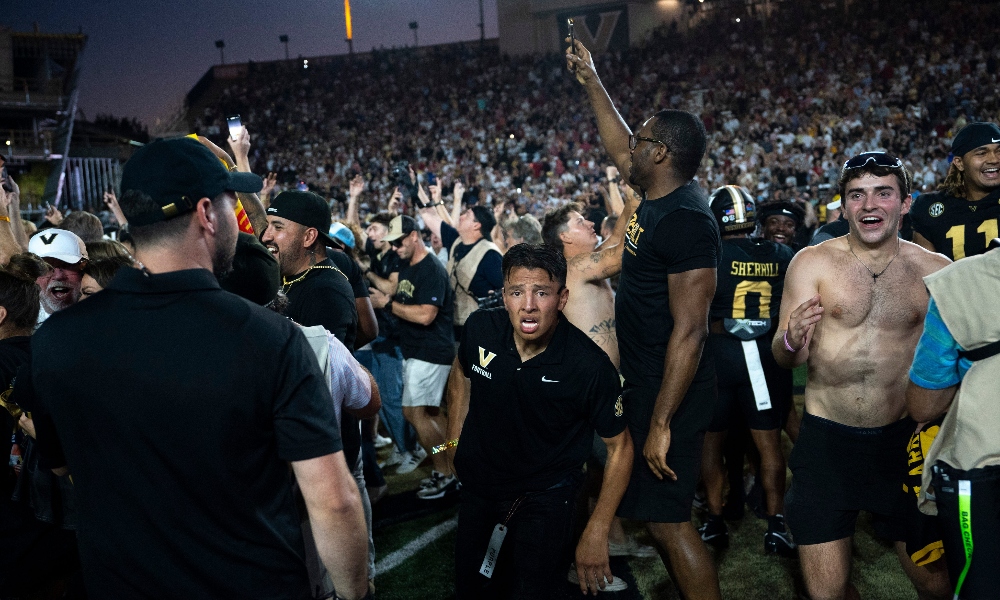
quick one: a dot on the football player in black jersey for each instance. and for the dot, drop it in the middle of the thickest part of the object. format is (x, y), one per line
(961, 218)
(744, 310)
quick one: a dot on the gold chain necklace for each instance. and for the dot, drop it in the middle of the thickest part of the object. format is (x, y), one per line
(874, 275)
(287, 285)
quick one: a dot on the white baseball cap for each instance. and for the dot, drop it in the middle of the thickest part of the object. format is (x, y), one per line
(58, 244)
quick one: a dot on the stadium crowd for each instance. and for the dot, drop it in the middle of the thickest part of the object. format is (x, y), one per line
(546, 276)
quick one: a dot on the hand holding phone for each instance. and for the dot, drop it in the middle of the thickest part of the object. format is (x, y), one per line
(235, 127)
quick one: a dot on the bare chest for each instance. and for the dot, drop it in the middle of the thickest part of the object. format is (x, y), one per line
(896, 300)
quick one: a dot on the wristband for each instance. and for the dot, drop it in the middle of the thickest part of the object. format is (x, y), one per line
(442, 447)
(787, 345)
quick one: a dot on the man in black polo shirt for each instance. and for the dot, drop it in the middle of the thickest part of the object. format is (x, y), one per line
(672, 250)
(424, 304)
(184, 415)
(318, 292)
(540, 389)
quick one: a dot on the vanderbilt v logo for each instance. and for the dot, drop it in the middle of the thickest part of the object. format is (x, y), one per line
(485, 358)
(48, 239)
(599, 42)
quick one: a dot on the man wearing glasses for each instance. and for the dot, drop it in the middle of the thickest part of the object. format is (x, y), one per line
(425, 305)
(853, 309)
(672, 248)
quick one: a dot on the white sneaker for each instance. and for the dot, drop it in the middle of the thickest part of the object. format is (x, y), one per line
(632, 548)
(395, 458)
(411, 461)
(615, 585)
(438, 487)
(381, 441)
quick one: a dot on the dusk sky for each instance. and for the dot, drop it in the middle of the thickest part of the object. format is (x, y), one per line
(142, 57)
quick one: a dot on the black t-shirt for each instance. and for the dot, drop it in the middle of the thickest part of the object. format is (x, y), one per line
(531, 425)
(324, 298)
(384, 265)
(750, 280)
(348, 266)
(427, 283)
(489, 273)
(955, 226)
(834, 229)
(669, 235)
(185, 405)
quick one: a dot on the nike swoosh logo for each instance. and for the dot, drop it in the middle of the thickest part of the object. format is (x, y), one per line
(993, 141)
(548, 380)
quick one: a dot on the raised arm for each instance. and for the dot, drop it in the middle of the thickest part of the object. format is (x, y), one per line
(607, 260)
(614, 132)
(432, 219)
(254, 208)
(111, 201)
(800, 310)
(8, 240)
(16, 224)
(338, 521)
(456, 201)
(691, 295)
(615, 205)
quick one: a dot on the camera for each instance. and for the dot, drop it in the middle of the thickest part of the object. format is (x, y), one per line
(400, 177)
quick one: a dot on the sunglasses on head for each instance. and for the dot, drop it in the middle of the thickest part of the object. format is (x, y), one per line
(879, 159)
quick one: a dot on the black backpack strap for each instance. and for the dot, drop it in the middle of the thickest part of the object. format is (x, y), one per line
(981, 353)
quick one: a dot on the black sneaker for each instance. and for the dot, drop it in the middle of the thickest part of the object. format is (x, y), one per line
(778, 541)
(755, 499)
(714, 532)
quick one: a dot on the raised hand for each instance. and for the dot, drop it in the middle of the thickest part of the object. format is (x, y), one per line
(356, 186)
(269, 182)
(581, 63)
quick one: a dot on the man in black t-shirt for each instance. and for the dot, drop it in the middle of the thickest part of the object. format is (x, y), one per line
(341, 255)
(960, 219)
(540, 390)
(200, 400)
(424, 304)
(672, 250)
(318, 292)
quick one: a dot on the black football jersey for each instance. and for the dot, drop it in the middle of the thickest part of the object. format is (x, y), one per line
(955, 226)
(750, 279)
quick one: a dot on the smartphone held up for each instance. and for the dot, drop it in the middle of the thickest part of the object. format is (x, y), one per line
(235, 127)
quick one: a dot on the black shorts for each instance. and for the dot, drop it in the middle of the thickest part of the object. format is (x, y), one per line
(983, 578)
(923, 532)
(736, 392)
(838, 471)
(648, 498)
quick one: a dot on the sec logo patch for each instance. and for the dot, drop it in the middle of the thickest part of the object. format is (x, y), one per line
(936, 209)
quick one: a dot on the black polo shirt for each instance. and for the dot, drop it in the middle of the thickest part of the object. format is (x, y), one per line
(666, 236)
(427, 283)
(531, 425)
(177, 406)
(324, 297)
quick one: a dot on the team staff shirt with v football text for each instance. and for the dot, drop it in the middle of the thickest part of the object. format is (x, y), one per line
(531, 424)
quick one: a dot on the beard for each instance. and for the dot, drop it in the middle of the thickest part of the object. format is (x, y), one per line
(225, 251)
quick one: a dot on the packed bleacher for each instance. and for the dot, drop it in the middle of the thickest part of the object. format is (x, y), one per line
(784, 100)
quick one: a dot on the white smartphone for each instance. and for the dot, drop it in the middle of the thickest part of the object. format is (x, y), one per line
(235, 127)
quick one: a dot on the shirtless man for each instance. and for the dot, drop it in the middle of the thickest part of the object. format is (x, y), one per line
(591, 305)
(853, 309)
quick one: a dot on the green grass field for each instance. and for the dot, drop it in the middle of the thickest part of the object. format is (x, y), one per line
(745, 572)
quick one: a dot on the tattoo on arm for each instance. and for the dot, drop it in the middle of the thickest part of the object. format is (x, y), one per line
(603, 332)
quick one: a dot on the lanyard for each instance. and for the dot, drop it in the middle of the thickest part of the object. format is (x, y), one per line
(965, 523)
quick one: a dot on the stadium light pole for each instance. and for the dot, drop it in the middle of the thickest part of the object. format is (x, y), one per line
(220, 44)
(482, 25)
(413, 26)
(347, 23)
(284, 40)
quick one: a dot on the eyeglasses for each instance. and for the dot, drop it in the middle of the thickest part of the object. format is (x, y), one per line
(880, 159)
(633, 141)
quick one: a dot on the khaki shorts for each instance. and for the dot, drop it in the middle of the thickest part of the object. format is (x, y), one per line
(423, 382)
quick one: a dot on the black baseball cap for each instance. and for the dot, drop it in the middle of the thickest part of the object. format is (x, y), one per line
(304, 208)
(176, 173)
(255, 275)
(399, 227)
(973, 136)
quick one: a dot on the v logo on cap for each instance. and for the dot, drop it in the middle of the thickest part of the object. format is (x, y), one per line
(48, 239)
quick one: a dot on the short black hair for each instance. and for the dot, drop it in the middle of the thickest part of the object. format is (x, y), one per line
(103, 270)
(536, 256)
(903, 177)
(685, 137)
(382, 218)
(486, 220)
(135, 202)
